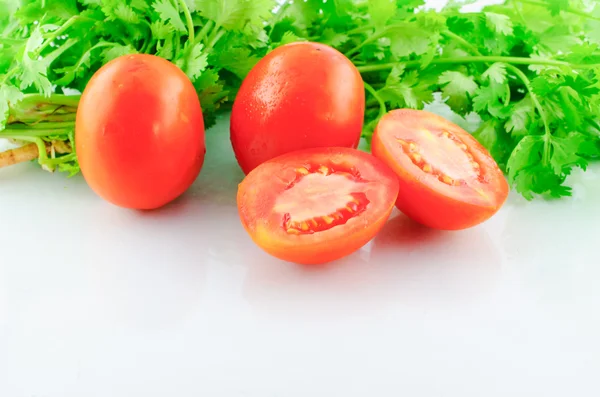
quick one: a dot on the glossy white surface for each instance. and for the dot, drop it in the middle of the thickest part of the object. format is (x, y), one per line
(100, 301)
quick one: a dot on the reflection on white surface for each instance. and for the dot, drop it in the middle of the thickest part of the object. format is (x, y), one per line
(100, 301)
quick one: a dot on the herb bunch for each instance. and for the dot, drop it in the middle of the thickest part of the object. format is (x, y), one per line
(523, 76)
(49, 49)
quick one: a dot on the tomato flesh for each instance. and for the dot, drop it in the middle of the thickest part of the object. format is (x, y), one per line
(317, 205)
(448, 180)
(139, 132)
(299, 96)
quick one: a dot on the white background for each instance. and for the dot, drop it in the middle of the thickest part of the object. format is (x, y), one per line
(97, 301)
(100, 301)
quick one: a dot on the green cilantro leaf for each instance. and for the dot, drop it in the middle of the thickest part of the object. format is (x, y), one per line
(521, 118)
(160, 30)
(193, 60)
(126, 13)
(116, 51)
(290, 37)
(405, 89)
(34, 72)
(565, 153)
(166, 49)
(490, 98)
(169, 14)
(235, 14)
(334, 38)
(487, 134)
(237, 60)
(381, 11)
(533, 102)
(496, 73)
(499, 23)
(458, 87)
(558, 38)
(409, 38)
(527, 153)
(212, 95)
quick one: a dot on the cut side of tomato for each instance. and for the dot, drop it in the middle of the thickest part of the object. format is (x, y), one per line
(448, 180)
(317, 205)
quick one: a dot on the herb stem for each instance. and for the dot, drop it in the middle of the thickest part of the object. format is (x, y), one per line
(54, 99)
(204, 31)
(213, 35)
(41, 146)
(382, 107)
(9, 41)
(62, 159)
(189, 21)
(9, 74)
(18, 133)
(477, 59)
(18, 155)
(65, 26)
(148, 47)
(177, 44)
(36, 119)
(216, 39)
(88, 52)
(362, 29)
(370, 39)
(593, 123)
(41, 126)
(463, 42)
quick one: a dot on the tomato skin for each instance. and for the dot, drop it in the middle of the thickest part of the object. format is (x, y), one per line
(259, 192)
(299, 96)
(140, 132)
(424, 198)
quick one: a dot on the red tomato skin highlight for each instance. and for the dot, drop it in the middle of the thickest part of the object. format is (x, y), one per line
(299, 96)
(140, 132)
(424, 204)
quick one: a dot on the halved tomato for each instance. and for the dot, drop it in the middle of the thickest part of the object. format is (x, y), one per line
(448, 180)
(316, 205)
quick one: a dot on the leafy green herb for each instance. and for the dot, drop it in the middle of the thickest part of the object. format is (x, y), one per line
(529, 69)
(523, 76)
(50, 47)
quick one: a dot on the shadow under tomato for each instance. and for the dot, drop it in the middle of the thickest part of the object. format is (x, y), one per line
(434, 264)
(401, 232)
(272, 285)
(406, 264)
(181, 205)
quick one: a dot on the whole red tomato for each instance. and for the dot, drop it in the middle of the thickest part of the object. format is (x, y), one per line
(139, 132)
(300, 96)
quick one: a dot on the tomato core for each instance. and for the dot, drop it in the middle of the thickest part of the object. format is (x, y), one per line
(448, 180)
(458, 165)
(328, 193)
